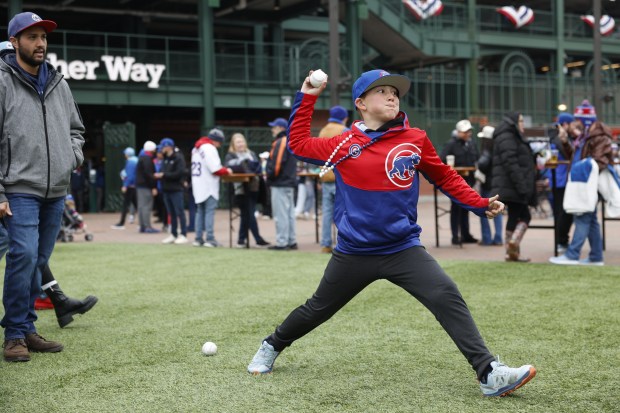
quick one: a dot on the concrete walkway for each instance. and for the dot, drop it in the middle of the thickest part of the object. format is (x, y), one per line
(537, 244)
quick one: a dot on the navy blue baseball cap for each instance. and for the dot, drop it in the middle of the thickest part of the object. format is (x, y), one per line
(374, 78)
(22, 21)
(337, 114)
(565, 117)
(166, 142)
(283, 123)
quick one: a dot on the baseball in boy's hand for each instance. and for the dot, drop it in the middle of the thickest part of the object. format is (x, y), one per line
(317, 78)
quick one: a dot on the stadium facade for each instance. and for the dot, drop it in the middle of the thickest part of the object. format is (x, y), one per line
(147, 69)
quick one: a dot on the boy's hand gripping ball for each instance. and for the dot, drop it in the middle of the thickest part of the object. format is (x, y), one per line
(317, 78)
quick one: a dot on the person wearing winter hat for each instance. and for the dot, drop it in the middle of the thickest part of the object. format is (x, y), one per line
(48, 125)
(586, 113)
(146, 186)
(594, 143)
(465, 154)
(484, 177)
(206, 171)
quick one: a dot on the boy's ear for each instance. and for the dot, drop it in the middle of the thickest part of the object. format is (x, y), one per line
(359, 104)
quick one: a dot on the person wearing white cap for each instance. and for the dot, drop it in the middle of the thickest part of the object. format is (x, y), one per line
(465, 154)
(484, 176)
(45, 126)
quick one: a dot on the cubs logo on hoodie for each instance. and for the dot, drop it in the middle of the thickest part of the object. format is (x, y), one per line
(400, 164)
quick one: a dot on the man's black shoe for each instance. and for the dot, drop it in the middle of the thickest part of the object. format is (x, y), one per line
(67, 307)
(292, 246)
(277, 248)
(470, 240)
(71, 307)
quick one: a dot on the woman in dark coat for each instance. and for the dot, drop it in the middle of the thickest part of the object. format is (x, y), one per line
(514, 179)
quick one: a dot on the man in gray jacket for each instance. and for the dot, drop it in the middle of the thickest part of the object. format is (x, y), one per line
(40, 144)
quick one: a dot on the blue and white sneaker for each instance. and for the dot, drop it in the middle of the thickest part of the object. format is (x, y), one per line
(503, 380)
(563, 260)
(263, 360)
(587, 261)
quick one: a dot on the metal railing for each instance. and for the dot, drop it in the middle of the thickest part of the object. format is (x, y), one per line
(237, 63)
(454, 16)
(437, 92)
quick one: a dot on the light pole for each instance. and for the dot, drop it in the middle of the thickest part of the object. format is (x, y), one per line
(334, 53)
(596, 92)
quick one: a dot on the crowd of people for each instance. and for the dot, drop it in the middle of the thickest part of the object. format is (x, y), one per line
(509, 165)
(280, 184)
(502, 161)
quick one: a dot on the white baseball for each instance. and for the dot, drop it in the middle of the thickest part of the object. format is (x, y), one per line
(209, 348)
(317, 78)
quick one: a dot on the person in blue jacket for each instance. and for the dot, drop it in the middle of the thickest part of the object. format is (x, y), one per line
(129, 185)
(561, 139)
(377, 164)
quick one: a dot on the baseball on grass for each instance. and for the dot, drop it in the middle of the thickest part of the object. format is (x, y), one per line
(317, 78)
(209, 348)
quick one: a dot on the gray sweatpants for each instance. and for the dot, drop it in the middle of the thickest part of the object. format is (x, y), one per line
(415, 271)
(145, 207)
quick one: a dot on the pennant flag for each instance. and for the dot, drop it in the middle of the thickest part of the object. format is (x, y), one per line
(519, 18)
(423, 9)
(607, 23)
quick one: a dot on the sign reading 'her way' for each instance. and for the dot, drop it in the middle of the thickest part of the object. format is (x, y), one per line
(118, 68)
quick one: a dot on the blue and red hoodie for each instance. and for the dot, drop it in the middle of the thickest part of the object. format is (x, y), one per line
(378, 185)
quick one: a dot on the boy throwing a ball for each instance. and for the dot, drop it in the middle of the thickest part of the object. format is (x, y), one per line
(377, 164)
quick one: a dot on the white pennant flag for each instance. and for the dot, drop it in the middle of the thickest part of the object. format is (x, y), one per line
(518, 17)
(424, 9)
(607, 23)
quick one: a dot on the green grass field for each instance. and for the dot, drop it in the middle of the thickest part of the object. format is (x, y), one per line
(139, 348)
